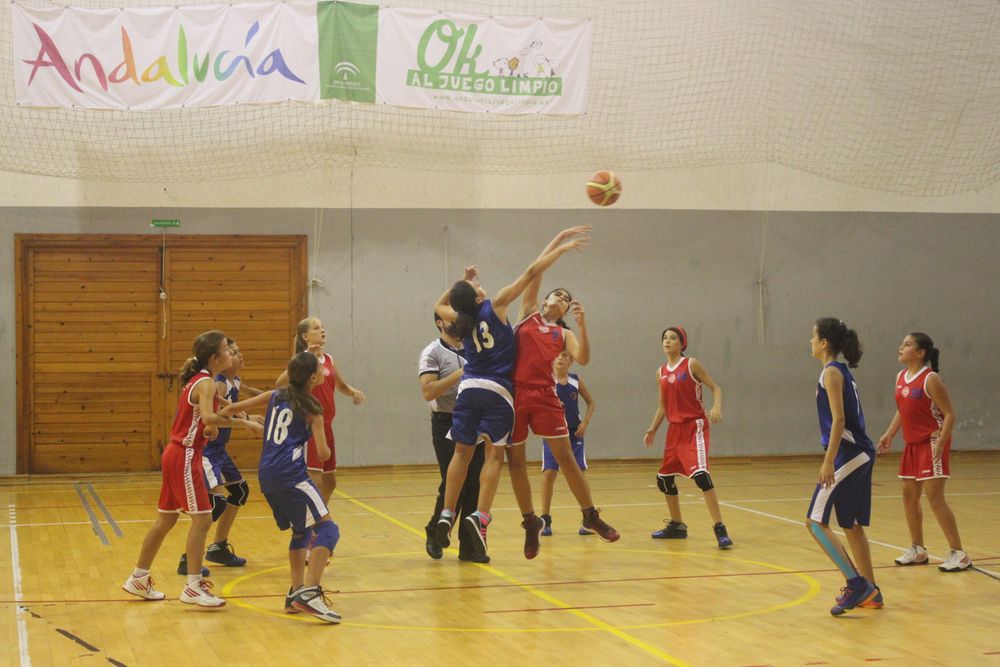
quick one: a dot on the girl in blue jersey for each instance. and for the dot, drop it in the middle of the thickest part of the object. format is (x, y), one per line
(845, 477)
(569, 387)
(484, 410)
(293, 416)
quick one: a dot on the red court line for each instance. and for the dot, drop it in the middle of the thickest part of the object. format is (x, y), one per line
(594, 606)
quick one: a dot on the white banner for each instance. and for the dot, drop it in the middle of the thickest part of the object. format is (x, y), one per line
(165, 57)
(465, 62)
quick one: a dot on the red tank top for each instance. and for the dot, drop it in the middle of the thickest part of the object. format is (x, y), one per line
(680, 393)
(538, 344)
(188, 429)
(919, 414)
(324, 392)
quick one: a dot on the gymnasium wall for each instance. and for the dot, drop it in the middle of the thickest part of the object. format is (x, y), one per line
(382, 268)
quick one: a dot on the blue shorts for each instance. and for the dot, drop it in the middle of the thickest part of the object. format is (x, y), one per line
(480, 411)
(850, 495)
(549, 462)
(297, 507)
(219, 467)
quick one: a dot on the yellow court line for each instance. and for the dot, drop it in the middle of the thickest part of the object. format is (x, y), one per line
(634, 641)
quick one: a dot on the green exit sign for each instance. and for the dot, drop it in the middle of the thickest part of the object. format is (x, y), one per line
(164, 223)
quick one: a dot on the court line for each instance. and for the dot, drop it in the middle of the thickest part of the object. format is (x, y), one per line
(593, 606)
(593, 620)
(93, 517)
(15, 566)
(104, 510)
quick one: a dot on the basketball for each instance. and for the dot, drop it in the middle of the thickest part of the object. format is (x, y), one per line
(604, 188)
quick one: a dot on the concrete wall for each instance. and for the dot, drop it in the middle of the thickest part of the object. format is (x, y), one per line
(885, 274)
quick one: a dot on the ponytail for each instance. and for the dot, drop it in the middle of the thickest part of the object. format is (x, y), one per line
(205, 346)
(931, 353)
(300, 330)
(300, 368)
(841, 339)
(463, 300)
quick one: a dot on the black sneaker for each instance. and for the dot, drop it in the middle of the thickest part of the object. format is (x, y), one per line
(182, 567)
(472, 557)
(433, 550)
(473, 534)
(289, 608)
(674, 530)
(223, 554)
(533, 527)
(442, 532)
(722, 536)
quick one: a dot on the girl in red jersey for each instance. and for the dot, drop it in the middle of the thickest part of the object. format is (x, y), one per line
(183, 488)
(540, 339)
(679, 383)
(925, 413)
(311, 335)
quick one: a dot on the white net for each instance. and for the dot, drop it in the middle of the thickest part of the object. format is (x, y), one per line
(900, 96)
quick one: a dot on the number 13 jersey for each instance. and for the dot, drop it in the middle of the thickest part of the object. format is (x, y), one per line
(490, 350)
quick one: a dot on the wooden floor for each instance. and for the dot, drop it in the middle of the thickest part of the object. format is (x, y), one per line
(581, 602)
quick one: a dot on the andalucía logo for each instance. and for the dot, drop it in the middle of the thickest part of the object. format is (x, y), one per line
(348, 44)
(523, 71)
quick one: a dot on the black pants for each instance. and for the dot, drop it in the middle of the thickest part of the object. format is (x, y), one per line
(444, 448)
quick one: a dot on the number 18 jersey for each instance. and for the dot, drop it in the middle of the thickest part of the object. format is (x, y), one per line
(490, 350)
(283, 457)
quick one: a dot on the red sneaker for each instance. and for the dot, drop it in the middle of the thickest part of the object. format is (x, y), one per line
(592, 521)
(533, 526)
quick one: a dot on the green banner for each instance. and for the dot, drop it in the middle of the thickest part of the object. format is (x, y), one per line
(348, 43)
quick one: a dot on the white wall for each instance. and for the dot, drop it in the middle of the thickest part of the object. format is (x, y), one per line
(884, 273)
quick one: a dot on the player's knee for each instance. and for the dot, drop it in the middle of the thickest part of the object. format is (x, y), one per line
(703, 480)
(666, 484)
(327, 534)
(239, 492)
(299, 541)
(218, 505)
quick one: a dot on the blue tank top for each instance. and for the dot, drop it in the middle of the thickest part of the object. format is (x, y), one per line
(855, 438)
(283, 457)
(233, 394)
(569, 395)
(491, 349)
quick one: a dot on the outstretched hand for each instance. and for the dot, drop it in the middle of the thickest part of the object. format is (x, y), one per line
(576, 310)
(579, 230)
(471, 273)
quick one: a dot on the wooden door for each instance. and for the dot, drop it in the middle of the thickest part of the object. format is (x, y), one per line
(254, 292)
(99, 349)
(92, 351)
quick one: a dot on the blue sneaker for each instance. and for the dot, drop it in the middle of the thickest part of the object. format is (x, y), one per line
(547, 530)
(857, 591)
(722, 536)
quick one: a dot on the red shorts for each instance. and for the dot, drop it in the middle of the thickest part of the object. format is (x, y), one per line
(538, 408)
(918, 462)
(183, 488)
(686, 448)
(312, 459)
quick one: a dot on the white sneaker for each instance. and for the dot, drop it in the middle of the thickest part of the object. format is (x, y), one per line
(314, 601)
(142, 587)
(915, 555)
(957, 561)
(201, 594)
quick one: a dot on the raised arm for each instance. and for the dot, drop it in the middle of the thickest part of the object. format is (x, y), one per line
(578, 345)
(508, 294)
(443, 305)
(529, 302)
